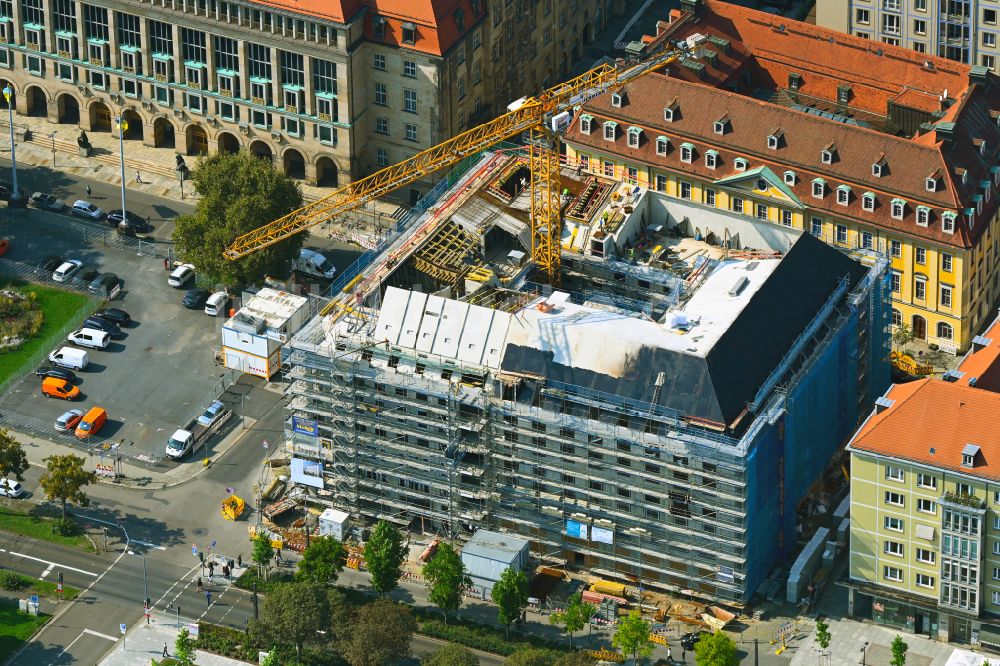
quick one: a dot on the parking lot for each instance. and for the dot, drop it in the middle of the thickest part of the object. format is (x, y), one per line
(153, 380)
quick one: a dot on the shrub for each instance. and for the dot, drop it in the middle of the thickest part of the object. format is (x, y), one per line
(11, 581)
(65, 526)
(250, 576)
(479, 637)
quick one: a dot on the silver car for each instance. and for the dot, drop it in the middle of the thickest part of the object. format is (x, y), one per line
(10, 488)
(67, 422)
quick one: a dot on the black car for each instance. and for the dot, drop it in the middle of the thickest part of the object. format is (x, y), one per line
(57, 372)
(195, 298)
(115, 315)
(48, 264)
(104, 283)
(115, 218)
(85, 276)
(688, 641)
(101, 324)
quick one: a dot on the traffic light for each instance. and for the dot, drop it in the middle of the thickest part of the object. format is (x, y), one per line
(201, 556)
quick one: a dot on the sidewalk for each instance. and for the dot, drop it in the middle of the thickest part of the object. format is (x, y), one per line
(145, 642)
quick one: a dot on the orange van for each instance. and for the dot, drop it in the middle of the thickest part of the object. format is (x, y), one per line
(54, 387)
(91, 423)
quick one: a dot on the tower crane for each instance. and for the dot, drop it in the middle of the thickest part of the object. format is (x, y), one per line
(528, 114)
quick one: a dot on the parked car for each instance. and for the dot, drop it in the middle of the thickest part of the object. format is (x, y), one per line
(66, 270)
(48, 264)
(91, 423)
(88, 210)
(59, 388)
(55, 372)
(688, 641)
(102, 324)
(130, 219)
(211, 413)
(195, 298)
(67, 422)
(217, 304)
(85, 276)
(11, 488)
(47, 202)
(181, 276)
(90, 337)
(116, 315)
(70, 357)
(104, 283)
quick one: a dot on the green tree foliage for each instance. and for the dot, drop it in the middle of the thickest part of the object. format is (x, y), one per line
(632, 636)
(12, 457)
(380, 634)
(384, 556)
(716, 649)
(446, 575)
(574, 659)
(902, 336)
(532, 657)
(510, 594)
(451, 654)
(184, 648)
(239, 193)
(898, 648)
(322, 561)
(823, 634)
(295, 614)
(575, 617)
(64, 480)
(262, 550)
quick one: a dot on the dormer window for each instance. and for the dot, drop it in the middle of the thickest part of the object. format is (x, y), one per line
(610, 130)
(843, 195)
(828, 154)
(843, 94)
(948, 222)
(616, 100)
(740, 164)
(721, 126)
(970, 217)
(634, 133)
(898, 208)
(981, 145)
(378, 28)
(794, 81)
(586, 123)
(789, 177)
(931, 184)
(668, 112)
(775, 138)
(661, 145)
(711, 159)
(868, 201)
(409, 33)
(819, 188)
(969, 453)
(687, 152)
(879, 168)
(923, 216)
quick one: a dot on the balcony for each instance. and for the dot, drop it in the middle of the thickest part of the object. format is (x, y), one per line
(970, 501)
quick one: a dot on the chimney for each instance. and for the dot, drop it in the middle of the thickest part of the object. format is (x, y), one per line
(945, 131)
(693, 7)
(979, 75)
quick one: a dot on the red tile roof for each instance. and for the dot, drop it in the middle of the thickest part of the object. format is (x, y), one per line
(340, 11)
(982, 365)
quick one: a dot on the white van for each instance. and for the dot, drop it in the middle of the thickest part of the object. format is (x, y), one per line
(217, 304)
(315, 264)
(90, 337)
(68, 357)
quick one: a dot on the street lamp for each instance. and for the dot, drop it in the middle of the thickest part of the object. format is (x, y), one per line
(145, 586)
(52, 135)
(122, 128)
(864, 653)
(8, 94)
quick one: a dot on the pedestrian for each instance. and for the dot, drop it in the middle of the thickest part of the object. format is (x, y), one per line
(239, 560)
(277, 556)
(199, 583)
(670, 657)
(88, 191)
(208, 598)
(225, 571)
(138, 178)
(165, 653)
(211, 568)
(166, 264)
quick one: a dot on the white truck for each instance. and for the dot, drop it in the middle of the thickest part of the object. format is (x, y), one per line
(197, 431)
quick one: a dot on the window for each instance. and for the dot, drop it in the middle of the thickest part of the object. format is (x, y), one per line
(892, 573)
(926, 481)
(923, 216)
(381, 96)
(737, 205)
(378, 61)
(920, 5)
(661, 183)
(711, 159)
(36, 65)
(877, 168)
(894, 524)
(687, 153)
(826, 156)
(410, 69)
(789, 177)
(786, 218)
(409, 100)
(409, 33)
(919, 27)
(411, 132)
(920, 290)
(382, 125)
(668, 114)
(868, 201)
(945, 331)
(893, 498)
(893, 548)
(633, 175)
(661, 145)
(842, 234)
(990, 39)
(893, 473)
(946, 262)
(945, 297)
(193, 46)
(194, 103)
(721, 125)
(740, 164)
(990, 16)
(896, 248)
(816, 227)
(710, 197)
(128, 30)
(867, 242)
(896, 283)
(95, 22)
(610, 131)
(897, 316)
(292, 69)
(898, 208)
(926, 506)
(819, 188)
(761, 212)
(633, 137)
(862, 16)
(382, 157)
(773, 141)
(923, 580)
(685, 190)
(64, 13)
(890, 24)
(920, 255)
(948, 222)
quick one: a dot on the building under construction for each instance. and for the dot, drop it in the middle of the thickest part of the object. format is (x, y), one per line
(658, 417)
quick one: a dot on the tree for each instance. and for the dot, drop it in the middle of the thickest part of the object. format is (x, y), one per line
(12, 457)
(716, 649)
(451, 654)
(823, 634)
(446, 575)
(574, 659)
(575, 617)
(380, 634)
(239, 193)
(64, 480)
(384, 556)
(902, 336)
(532, 657)
(184, 648)
(632, 636)
(262, 550)
(322, 561)
(898, 648)
(510, 594)
(296, 614)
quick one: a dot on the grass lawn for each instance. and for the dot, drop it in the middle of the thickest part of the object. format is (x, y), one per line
(58, 308)
(16, 627)
(39, 528)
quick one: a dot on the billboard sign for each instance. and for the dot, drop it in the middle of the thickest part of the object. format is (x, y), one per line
(307, 473)
(305, 426)
(602, 535)
(576, 529)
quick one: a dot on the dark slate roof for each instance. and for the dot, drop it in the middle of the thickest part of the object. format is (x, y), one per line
(720, 386)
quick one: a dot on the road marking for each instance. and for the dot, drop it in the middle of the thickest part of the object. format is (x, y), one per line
(52, 564)
(149, 545)
(47, 571)
(113, 639)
